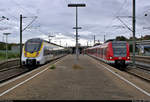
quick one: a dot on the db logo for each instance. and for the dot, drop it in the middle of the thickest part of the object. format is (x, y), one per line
(120, 57)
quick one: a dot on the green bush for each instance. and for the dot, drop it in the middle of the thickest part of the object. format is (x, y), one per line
(10, 55)
(52, 67)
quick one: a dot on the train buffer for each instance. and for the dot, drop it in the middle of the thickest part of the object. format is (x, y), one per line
(88, 79)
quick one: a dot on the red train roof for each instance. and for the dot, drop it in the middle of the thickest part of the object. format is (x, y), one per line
(104, 45)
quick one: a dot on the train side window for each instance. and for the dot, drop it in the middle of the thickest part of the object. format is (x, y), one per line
(56, 52)
(46, 51)
(104, 51)
(100, 51)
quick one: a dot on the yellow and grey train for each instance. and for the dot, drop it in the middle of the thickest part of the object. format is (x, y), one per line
(37, 51)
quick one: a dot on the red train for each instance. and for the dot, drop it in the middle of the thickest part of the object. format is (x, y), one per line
(112, 52)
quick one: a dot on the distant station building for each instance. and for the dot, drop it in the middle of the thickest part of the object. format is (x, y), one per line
(143, 47)
(73, 49)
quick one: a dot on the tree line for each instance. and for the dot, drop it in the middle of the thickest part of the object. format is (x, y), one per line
(3, 45)
(123, 38)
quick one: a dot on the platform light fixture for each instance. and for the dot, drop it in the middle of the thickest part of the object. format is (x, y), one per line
(76, 6)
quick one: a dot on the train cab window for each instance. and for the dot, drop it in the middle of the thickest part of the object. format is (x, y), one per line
(119, 49)
(33, 45)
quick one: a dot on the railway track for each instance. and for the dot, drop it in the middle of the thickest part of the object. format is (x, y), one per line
(140, 72)
(10, 73)
(9, 63)
(13, 67)
(142, 69)
(144, 59)
(14, 71)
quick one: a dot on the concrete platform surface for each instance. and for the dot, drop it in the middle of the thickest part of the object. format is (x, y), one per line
(85, 81)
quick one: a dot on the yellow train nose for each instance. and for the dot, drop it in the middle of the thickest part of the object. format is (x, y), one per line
(28, 54)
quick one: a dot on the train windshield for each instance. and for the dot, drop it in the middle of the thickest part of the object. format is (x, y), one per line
(33, 45)
(119, 49)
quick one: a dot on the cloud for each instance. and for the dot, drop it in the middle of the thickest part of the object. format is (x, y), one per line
(54, 16)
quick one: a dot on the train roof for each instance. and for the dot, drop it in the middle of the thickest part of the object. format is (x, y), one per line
(115, 41)
(39, 39)
(105, 44)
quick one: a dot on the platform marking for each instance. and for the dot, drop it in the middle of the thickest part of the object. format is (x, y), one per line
(143, 91)
(127, 81)
(3, 93)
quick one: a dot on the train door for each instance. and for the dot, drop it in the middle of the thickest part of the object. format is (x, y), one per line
(101, 53)
(104, 53)
(96, 51)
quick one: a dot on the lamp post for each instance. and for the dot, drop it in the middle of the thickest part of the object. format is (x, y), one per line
(76, 6)
(133, 24)
(6, 45)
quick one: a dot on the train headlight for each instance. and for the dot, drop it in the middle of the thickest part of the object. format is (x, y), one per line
(110, 57)
(128, 57)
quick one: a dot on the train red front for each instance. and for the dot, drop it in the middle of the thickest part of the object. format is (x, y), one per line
(113, 52)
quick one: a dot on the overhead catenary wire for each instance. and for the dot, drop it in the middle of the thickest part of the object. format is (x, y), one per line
(11, 15)
(30, 23)
(114, 16)
(124, 24)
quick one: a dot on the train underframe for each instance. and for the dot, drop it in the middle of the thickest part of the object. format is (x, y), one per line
(120, 62)
(31, 62)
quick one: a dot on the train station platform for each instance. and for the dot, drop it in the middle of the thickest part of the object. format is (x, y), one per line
(88, 80)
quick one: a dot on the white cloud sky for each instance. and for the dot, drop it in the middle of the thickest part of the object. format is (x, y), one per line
(54, 17)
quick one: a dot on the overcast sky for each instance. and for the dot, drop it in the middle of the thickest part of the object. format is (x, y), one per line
(56, 18)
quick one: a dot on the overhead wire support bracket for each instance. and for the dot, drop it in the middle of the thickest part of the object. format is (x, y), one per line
(124, 23)
(29, 23)
(3, 18)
